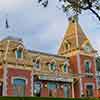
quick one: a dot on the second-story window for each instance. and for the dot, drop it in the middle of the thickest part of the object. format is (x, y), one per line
(87, 66)
(37, 64)
(19, 53)
(65, 67)
(52, 66)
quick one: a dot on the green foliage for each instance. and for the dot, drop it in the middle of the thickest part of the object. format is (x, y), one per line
(44, 98)
(75, 7)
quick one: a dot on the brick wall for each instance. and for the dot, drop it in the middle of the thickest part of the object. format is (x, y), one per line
(18, 73)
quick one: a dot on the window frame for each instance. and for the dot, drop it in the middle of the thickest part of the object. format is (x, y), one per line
(34, 84)
(65, 63)
(20, 78)
(67, 45)
(34, 64)
(90, 92)
(53, 61)
(85, 61)
(93, 85)
(21, 53)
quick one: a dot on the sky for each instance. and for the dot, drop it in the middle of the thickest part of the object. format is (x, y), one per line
(42, 29)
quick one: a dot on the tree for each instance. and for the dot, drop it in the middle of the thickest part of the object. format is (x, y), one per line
(77, 6)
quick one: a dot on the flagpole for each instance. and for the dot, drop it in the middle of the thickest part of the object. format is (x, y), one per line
(5, 70)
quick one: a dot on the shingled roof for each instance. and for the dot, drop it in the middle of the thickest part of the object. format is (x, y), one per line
(74, 36)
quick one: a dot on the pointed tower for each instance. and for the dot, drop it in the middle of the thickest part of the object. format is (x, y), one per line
(78, 48)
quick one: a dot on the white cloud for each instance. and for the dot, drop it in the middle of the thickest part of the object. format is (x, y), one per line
(41, 28)
(13, 5)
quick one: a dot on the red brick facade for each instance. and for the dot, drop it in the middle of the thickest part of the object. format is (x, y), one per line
(20, 74)
(85, 79)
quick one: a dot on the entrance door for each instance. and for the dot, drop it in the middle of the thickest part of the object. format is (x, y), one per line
(19, 87)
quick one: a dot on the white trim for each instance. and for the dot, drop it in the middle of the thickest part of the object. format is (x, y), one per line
(66, 43)
(49, 65)
(5, 71)
(34, 64)
(77, 45)
(5, 80)
(90, 63)
(18, 77)
(22, 55)
(89, 84)
(32, 79)
(79, 71)
(92, 84)
(73, 96)
(66, 62)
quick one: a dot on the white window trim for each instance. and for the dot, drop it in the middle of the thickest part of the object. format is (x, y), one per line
(89, 64)
(66, 62)
(38, 69)
(50, 65)
(18, 77)
(90, 84)
(21, 54)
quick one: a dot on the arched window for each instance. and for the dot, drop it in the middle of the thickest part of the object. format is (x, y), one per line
(37, 64)
(19, 87)
(51, 88)
(65, 67)
(67, 45)
(89, 90)
(37, 88)
(52, 66)
(87, 66)
(19, 53)
(67, 90)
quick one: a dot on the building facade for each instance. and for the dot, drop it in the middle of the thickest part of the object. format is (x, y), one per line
(98, 75)
(70, 73)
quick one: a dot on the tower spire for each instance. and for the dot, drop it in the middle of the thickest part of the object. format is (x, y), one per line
(74, 37)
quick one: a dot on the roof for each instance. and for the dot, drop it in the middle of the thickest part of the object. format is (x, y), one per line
(15, 42)
(48, 54)
(74, 36)
(12, 39)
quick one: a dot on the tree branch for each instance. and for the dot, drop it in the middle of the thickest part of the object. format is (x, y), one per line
(94, 12)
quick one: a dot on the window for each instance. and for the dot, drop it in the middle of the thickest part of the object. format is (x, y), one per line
(37, 88)
(67, 45)
(51, 85)
(67, 90)
(18, 53)
(89, 90)
(52, 66)
(87, 66)
(52, 88)
(19, 87)
(65, 67)
(37, 64)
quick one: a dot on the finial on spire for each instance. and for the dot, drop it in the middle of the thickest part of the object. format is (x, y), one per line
(73, 18)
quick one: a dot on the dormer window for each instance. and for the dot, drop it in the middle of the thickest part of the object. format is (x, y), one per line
(67, 45)
(52, 66)
(37, 64)
(65, 67)
(19, 54)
